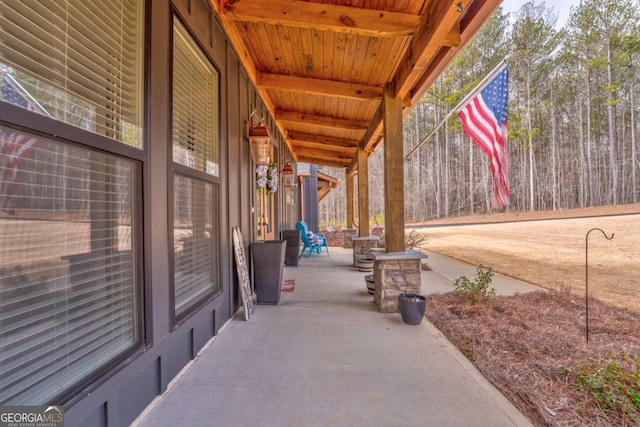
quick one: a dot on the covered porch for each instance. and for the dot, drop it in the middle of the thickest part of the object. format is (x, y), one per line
(327, 356)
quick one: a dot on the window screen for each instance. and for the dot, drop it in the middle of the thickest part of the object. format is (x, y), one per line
(77, 61)
(195, 105)
(195, 260)
(70, 300)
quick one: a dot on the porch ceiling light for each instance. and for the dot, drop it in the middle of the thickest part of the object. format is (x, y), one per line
(260, 144)
(288, 175)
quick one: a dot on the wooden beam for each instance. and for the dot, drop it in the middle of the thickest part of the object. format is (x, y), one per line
(363, 193)
(322, 87)
(349, 201)
(454, 38)
(295, 137)
(475, 16)
(350, 151)
(372, 132)
(321, 121)
(319, 16)
(327, 154)
(324, 162)
(393, 172)
(433, 32)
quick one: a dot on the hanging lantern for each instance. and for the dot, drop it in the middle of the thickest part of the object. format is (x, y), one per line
(260, 144)
(288, 175)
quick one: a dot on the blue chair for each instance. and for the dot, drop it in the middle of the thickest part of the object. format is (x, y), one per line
(312, 241)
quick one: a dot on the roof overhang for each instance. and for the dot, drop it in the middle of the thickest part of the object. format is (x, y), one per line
(320, 66)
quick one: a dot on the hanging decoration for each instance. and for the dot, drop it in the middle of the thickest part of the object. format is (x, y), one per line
(267, 178)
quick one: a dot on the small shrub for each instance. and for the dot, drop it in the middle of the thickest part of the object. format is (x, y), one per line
(414, 239)
(615, 385)
(477, 290)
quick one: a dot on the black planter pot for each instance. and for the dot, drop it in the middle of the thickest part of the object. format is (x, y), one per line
(268, 263)
(412, 308)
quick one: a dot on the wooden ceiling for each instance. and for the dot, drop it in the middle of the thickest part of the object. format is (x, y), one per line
(320, 65)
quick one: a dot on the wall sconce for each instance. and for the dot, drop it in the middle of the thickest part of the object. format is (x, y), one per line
(259, 142)
(288, 175)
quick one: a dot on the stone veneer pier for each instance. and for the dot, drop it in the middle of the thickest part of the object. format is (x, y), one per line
(347, 235)
(395, 273)
(362, 247)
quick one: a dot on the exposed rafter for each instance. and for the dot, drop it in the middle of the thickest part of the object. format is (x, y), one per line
(350, 151)
(320, 139)
(321, 121)
(319, 86)
(326, 17)
(324, 162)
(323, 154)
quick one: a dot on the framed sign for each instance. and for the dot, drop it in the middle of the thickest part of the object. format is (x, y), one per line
(243, 272)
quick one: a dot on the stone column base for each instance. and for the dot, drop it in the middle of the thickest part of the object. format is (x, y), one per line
(395, 273)
(362, 247)
(347, 234)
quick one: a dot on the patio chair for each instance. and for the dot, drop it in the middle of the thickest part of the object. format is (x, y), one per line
(312, 241)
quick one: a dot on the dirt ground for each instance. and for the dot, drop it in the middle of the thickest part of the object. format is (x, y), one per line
(548, 249)
(533, 347)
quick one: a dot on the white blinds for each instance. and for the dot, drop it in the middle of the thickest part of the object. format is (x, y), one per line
(69, 295)
(194, 236)
(195, 105)
(81, 60)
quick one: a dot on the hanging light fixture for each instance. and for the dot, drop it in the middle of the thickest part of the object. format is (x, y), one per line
(260, 144)
(288, 175)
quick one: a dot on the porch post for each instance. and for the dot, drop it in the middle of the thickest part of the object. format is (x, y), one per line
(349, 182)
(363, 192)
(393, 171)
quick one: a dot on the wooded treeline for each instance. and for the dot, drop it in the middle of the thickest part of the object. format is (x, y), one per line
(572, 118)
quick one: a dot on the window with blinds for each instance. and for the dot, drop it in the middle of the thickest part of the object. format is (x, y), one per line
(78, 61)
(70, 296)
(195, 105)
(195, 136)
(195, 258)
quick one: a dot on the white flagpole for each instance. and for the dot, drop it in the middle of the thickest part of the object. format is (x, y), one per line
(466, 99)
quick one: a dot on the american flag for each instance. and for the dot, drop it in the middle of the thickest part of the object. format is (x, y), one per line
(484, 119)
(14, 146)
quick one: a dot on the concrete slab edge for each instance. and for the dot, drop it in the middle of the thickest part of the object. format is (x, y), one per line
(505, 404)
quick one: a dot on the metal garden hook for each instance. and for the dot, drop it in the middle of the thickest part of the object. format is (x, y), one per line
(586, 273)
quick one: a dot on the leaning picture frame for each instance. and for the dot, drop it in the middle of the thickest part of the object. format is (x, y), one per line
(243, 273)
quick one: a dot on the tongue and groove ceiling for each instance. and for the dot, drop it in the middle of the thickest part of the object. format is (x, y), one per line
(321, 65)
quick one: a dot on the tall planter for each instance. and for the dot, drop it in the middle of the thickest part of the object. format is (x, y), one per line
(268, 264)
(292, 253)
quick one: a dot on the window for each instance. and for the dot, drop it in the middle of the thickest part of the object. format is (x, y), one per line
(77, 61)
(194, 260)
(195, 105)
(195, 181)
(70, 296)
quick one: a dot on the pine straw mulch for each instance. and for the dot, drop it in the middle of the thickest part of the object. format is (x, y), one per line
(532, 347)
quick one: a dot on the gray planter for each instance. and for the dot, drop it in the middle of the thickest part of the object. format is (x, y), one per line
(292, 254)
(412, 308)
(268, 263)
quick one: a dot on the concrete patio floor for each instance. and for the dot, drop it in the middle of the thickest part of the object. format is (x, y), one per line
(325, 356)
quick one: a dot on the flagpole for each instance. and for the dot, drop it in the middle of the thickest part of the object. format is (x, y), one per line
(475, 90)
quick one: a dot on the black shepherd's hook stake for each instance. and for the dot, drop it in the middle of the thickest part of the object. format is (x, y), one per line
(586, 271)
